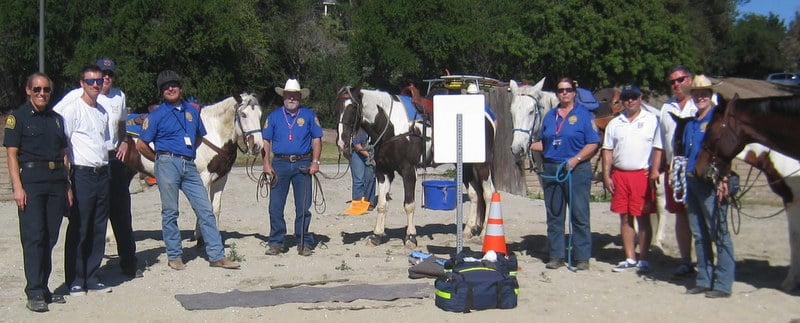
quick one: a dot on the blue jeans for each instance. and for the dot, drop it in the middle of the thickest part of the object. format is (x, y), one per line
(175, 174)
(363, 179)
(290, 173)
(556, 199)
(709, 224)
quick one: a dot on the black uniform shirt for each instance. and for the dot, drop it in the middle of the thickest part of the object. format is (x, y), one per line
(38, 135)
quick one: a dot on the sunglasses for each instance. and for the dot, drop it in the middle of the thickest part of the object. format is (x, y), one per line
(38, 89)
(90, 82)
(625, 98)
(170, 85)
(108, 73)
(678, 80)
(565, 90)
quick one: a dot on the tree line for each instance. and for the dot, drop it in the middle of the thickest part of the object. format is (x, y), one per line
(224, 47)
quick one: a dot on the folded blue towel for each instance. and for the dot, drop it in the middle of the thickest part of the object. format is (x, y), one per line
(420, 255)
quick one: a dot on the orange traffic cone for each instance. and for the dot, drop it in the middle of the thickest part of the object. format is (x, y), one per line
(495, 238)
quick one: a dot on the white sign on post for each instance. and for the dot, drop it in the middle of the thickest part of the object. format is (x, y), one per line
(446, 108)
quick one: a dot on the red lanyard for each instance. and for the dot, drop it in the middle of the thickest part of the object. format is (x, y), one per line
(290, 125)
(559, 126)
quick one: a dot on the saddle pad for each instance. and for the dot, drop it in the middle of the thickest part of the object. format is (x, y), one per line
(303, 294)
(411, 110)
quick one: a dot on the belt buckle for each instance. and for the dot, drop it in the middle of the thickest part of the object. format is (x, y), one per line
(294, 158)
(51, 165)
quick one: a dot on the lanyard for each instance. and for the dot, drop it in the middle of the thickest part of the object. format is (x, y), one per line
(290, 125)
(559, 126)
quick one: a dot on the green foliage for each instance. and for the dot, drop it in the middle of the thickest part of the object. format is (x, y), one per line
(755, 45)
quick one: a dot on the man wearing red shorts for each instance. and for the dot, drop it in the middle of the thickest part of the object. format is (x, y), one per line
(632, 141)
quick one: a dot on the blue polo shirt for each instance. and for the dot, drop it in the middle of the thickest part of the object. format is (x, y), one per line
(563, 138)
(167, 126)
(693, 136)
(291, 134)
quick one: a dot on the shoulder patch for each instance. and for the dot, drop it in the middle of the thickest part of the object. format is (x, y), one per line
(11, 122)
(266, 123)
(145, 123)
(317, 121)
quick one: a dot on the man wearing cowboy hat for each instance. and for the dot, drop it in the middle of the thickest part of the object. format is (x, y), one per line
(292, 134)
(706, 206)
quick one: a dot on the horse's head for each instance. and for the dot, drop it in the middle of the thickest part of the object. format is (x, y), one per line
(248, 122)
(723, 140)
(528, 106)
(348, 109)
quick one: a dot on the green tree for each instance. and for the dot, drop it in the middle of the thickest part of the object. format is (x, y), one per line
(755, 44)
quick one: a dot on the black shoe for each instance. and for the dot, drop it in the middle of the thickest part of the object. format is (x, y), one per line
(555, 263)
(135, 273)
(697, 290)
(58, 299)
(582, 265)
(717, 294)
(37, 304)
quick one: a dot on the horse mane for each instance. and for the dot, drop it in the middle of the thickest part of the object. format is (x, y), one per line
(770, 106)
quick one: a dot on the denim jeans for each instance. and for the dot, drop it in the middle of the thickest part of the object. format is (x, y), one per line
(363, 179)
(175, 174)
(556, 199)
(709, 224)
(297, 175)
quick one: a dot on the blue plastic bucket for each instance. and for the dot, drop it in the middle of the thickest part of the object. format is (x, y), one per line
(439, 194)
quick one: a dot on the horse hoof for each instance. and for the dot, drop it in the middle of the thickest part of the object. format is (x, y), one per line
(374, 240)
(411, 241)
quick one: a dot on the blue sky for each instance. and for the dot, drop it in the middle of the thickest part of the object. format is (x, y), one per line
(783, 8)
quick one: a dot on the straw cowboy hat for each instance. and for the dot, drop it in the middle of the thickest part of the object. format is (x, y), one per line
(292, 85)
(701, 82)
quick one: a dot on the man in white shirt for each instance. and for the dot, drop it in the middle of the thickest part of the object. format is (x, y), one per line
(632, 141)
(681, 105)
(86, 127)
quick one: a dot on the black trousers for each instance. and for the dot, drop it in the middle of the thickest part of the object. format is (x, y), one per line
(86, 231)
(120, 216)
(39, 224)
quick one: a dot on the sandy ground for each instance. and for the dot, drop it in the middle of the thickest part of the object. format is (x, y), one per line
(545, 295)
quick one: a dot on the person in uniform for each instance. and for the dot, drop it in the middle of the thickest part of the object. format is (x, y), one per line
(293, 135)
(36, 146)
(86, 127)
(175, 129)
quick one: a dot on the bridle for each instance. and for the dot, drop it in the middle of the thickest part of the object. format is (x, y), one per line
(713, 171)
(534, 129)
(238, 122)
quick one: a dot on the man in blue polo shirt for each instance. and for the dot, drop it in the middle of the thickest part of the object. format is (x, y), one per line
(175, 129)
(293, 134)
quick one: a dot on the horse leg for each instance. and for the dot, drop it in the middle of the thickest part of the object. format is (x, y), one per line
(658, 216)
(378, 233)
(409, 186)
(792, 279)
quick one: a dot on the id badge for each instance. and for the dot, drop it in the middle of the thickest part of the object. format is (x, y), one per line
(187, 140)
(556, 142)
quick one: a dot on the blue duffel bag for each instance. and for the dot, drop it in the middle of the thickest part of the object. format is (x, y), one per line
(477, 285)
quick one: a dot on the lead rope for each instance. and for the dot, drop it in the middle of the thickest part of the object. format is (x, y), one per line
(677, 178)
(561, 177)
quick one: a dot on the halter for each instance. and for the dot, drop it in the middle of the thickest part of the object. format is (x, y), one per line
(534, 131)
(238, 121)
(713, 172)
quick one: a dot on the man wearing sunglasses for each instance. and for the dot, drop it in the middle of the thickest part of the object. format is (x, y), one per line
(86, 127)
(681, 105)
(176, 130)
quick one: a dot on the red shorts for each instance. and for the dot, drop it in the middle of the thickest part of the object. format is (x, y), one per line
(632, 192)
(672, 206)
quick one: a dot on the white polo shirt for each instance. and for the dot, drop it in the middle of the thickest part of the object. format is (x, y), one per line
(86, 128)
(668, 124)
(632, 141)
(115, 105)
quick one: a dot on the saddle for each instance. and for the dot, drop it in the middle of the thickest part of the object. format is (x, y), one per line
(423, 105)
(610, 106)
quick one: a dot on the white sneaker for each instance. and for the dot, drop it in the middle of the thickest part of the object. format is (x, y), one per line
(624, 265)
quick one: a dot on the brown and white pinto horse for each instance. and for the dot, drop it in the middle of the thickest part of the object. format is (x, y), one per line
(227, 122)
(403, 144)
(771, 122)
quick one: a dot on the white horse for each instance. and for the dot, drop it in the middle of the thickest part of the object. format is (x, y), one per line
(402, 144)
(783, 175)
(529, 104)
(226, 122)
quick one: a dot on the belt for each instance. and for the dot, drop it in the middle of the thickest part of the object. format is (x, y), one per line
(293, 158)
(96, 170)
(166, 153)
(48, 164)
(112, 154)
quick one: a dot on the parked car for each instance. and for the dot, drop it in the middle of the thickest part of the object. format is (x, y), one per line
(792, 79)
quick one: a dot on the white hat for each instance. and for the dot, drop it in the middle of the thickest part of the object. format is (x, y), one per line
(472, 89)
(292, 85)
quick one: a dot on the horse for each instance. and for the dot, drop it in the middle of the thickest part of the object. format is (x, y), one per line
(738, 126)
(227, 122)
(402, 144)
(529, 104)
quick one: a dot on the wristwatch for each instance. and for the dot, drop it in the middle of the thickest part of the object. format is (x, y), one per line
(578, 158)
(315, 161)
